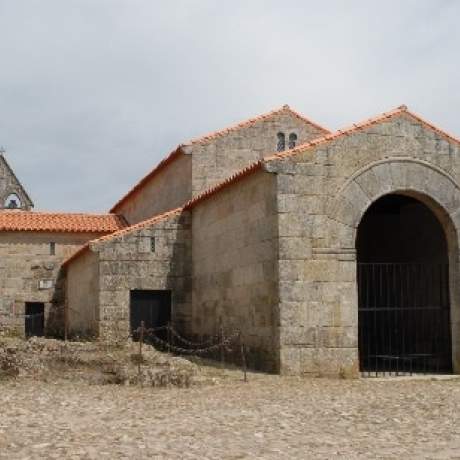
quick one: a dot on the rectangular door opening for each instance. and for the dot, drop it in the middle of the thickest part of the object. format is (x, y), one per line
(152, 307)
(35, 319)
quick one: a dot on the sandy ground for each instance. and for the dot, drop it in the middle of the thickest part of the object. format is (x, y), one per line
(269, 417)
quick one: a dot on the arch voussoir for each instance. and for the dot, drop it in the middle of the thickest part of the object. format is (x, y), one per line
(398, 175)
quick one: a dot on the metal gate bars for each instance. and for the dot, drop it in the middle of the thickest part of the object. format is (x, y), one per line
(404, 318)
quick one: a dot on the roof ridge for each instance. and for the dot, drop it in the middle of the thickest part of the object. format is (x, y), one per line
(134, 227)
(250, 121)
(212, 135)
(308, 120)
(258, 165)
(29, 221)
(138, 225)
(276, 156)
(58, 213)
(432, 126)
(231, 179)
(402, 109)
(340, 132)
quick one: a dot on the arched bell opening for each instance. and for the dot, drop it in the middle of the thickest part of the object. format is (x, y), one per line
(12, 201)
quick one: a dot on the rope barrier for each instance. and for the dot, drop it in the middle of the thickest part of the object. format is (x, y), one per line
(186, 351)
(224, 343)
(189, 342)
(198, 348)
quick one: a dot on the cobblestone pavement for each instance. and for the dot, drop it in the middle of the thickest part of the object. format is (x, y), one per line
(269, 417)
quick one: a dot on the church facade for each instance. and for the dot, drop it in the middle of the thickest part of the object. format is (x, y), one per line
(332, 253)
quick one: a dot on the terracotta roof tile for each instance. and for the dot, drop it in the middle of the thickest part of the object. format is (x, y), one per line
(251, 121)
(121, 232)
(16, 221)
(208, 137)
(401, 110)
(221, 185)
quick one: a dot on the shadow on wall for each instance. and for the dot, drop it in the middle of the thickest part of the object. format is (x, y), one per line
(55, 323)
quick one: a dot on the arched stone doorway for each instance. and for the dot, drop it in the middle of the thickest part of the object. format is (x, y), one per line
(403, 288)
(428, 184)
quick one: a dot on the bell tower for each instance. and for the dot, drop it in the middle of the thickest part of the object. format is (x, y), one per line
(12, 193)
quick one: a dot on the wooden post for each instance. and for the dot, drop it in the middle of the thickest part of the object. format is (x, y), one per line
(169, 336)
(243, 359)
(66, 321)
(221, 340)
(141, 339)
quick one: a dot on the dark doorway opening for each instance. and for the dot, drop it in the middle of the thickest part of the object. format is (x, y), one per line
(35, 319)
(403, 289)
(152, 307)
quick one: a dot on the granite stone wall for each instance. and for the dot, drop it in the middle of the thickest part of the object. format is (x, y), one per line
(220, 157)
(211, 161)
(29, 273)
(127, 262)
(322, 195)
(234, 257)
(169, 189)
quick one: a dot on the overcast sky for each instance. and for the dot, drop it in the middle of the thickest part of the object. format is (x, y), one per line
(94, 93)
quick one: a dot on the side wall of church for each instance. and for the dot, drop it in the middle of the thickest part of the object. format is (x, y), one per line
(234, 253)
(322, 194)
(170, 189)
(220, 157)
(30, 273)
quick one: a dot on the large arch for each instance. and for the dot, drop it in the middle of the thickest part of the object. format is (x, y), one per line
(403, 176)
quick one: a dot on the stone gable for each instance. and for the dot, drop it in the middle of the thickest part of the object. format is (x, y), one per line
(202, 163)
(12, 193)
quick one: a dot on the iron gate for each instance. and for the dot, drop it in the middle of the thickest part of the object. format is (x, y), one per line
(404, 318)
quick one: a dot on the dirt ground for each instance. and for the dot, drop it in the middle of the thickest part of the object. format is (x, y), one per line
(269, 417)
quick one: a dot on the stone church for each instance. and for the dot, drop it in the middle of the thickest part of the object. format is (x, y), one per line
(333, 253)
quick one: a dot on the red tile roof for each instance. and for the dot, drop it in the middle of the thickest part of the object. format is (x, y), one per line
(251, 121)
(17, 221)
(224, 184)
(401, 110)
(121, 232)
(258, 165)
(203, 139)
